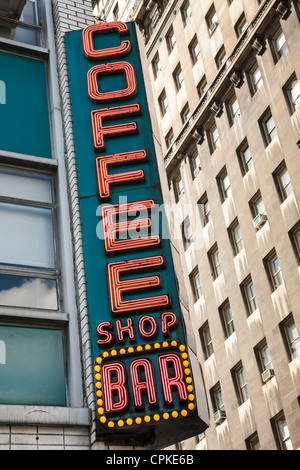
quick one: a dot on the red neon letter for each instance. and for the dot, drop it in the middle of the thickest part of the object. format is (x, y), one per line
(104, 179)
(152, 322)
(112, 228)
(108, 337)
(112, 388)
(92, 78)
(175, 381)
(99, 131)
(87, 39)
(128, 329)
(118, 287)
(168, 319)
(138, 385)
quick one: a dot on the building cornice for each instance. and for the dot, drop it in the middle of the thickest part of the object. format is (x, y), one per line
(230, 72)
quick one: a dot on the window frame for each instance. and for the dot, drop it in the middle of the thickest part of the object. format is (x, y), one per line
(36, 26)
(279, 438)
(236, 243)
(267, 134)
(274, 274)
(284, 326)
(187, 233)
(227, 320)
(194, 50)
(278, 176)
(170, 43)
(250, 300)
(36, 272)
(216, 267)
(205, 215)
(195, 285)
(288, 94)
(213, 142)
(245, 164)
(278, 52)
(240, 383)
(178, 77)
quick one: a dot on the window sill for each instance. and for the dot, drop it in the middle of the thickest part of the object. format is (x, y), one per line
(44, 415)
(35, 315)
(15, 46)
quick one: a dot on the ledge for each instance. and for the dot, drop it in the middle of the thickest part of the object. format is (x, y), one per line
(44, 415)
(21, 47)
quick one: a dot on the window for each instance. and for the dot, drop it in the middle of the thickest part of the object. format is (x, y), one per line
(202, 86)
(194, 49)
(257, 205)
(282, 181)
(195, 281)
(281, 432)
(195, 162)
(28, 273)
(292, 93)
(178, 77)
(249, 295)
(171, 40)
(273, 270)
(241, 25)
(245, 157)
(224, 185)
(294, 235)
(221, 57)
(178, 187)
(279, 44)
(169, 139)
(268, 128)
(291, 337)
(206, 340)
(239, 379)
(186, 13)
(27, 29)
(40, 364)
(227, 319)
(204, 209)
(215, 261)
(255, 79)
(187, 233)
(233, 109)
(217, 398)
(235, 235)
(212, 20)
(185, 113)
(263, 356)
(213, 138)
(156, 67)
(252, 443)
(163, 102)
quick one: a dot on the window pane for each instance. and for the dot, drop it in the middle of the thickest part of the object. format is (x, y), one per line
(19, 33)
(29, 13)
(28, 292)
(32, 367)
(25, 186)
(26, 236)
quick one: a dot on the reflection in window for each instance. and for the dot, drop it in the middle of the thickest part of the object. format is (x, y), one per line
(26, 29)
(28, 292)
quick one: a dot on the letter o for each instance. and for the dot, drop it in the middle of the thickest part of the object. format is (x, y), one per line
(142, 326)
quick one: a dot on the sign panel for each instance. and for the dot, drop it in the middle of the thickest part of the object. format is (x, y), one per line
(144, 381)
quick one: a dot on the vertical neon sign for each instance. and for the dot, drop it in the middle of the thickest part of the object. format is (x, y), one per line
(143, 375)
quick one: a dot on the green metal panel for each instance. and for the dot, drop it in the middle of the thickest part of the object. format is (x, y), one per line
(24, 116)
(31, 366)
